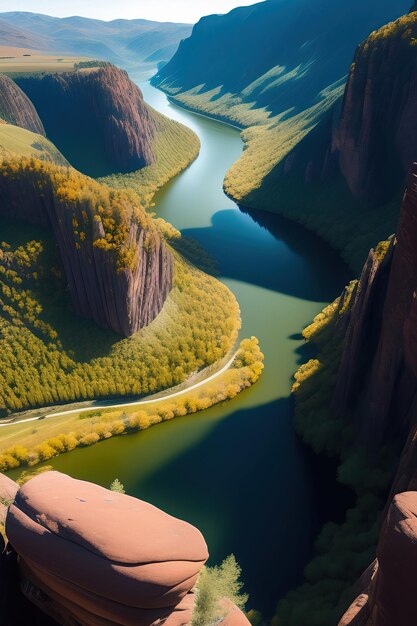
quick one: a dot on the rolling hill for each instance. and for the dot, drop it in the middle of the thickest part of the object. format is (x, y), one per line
(118, 41)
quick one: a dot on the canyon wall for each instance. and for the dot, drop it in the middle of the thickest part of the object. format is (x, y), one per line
(378, 372)
(274, 54)
(96, 116)
(16, 108)
(118, 268)
(377, 387)
(370, 135)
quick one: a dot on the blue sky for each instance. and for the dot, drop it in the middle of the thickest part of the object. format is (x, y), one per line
(161, 10)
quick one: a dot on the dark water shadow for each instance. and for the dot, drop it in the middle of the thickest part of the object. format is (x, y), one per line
(281, 256)
(276, 516)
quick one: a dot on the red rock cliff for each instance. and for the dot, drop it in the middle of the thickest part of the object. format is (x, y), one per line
(99, 111)
(16, 108)
(388, 597)
(118, 268)
(377, 134)
(378, 373)
(370, 136)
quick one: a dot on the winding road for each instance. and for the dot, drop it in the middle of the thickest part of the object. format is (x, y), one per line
(120, 405)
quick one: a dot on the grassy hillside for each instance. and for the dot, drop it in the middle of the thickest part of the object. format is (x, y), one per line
(14, 140)
(120, 41)
(275, 53)
(31, 443)
(49, 355)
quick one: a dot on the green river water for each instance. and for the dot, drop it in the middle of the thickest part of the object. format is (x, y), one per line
(237, 471)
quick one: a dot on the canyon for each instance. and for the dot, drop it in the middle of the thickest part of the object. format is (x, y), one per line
(97, 111)
(118, 268)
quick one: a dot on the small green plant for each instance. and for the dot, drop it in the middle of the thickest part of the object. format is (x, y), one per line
(117, 486)
(214, 584)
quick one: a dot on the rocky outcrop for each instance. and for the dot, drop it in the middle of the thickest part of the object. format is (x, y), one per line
(16, 108)
(94, 557)
(377, 378)
(390, 597)
(377, 134)
(118, 268)
(99, 110)
(135, 564)
(370, 137)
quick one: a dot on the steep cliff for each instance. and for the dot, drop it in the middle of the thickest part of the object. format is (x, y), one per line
(273, 54)
(378, 372)
(119, 271)
(16, 108)
(388, 595)
(377, 135)
(372, 138)
(97, 118)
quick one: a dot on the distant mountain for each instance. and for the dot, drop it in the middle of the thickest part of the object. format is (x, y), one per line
(119, 41)
(279, 54)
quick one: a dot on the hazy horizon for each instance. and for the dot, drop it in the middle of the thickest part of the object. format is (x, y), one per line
(181, 11)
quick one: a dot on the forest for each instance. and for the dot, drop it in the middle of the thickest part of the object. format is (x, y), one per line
(49, 355)
(33, 443)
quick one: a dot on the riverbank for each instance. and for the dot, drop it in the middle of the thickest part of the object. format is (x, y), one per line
(209, 467)
(24, 443)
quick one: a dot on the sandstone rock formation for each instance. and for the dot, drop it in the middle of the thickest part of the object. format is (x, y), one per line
(105, 554)
(92, 557)
(389, 598)
(378, 372)
(118, 268)
(99, 110)
(16, 108)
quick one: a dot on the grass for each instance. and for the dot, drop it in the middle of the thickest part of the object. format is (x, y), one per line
(15, 140)
(33, 442)
(49, 355)
(17, 61)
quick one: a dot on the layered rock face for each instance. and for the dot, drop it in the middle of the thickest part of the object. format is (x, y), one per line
(99, 110)
(389, 597)
(377, 134)
(16, 108)
(118, 268)
(370, 136)
(377, 378)
(103, 557)
(92, 557)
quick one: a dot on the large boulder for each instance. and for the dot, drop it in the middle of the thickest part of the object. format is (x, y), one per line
(102, 557)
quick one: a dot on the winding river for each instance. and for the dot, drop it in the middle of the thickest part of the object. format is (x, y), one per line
(237, 471)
